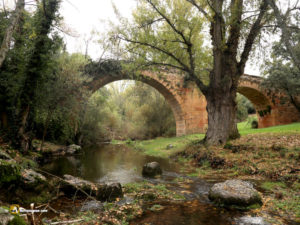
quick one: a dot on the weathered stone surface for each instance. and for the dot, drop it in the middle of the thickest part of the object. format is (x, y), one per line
(73, 184)
(94, 206)
(5, 216)
(248, 220)
(151, 169)
(29, 176)
(234, 192)
(108, 192)
(72, 149)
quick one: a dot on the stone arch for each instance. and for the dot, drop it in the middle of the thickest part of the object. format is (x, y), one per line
(189, 104)
(273, 108)
(262, 105)
(249, 86)
(163, 86)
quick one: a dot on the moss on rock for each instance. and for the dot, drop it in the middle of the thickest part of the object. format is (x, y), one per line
(9, 171)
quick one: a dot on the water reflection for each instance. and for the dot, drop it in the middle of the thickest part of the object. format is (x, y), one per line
(108, 163)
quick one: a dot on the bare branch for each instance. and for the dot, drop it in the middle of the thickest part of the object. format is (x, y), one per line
(285, 33)
(168, 21)
(186, 68)
(151, 22)
(236, 7)
(198, 7)
(254, 31)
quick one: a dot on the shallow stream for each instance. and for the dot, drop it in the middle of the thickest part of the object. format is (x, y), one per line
(115, 163)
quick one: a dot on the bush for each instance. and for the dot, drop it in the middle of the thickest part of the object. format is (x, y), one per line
(254, 124)
(17, 220)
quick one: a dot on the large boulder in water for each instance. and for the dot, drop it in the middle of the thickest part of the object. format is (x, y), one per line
(151, 169)
(234, 193)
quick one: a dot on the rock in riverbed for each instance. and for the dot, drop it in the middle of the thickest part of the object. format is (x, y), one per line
(151, 169)
(234, 193)
(248, 220)
(82, 187)
(5, 216)
(93, 205)
(72, 149)
(29, 176)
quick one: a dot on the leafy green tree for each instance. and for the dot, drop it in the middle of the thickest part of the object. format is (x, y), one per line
(283, 75)
(6, 41)
(37, 65)
(127, 110)
(289, 22)
(244, 108)
(60, 97)
(172, 34)
(13, 71)
(284, 68)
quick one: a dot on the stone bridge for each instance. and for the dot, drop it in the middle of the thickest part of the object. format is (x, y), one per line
(189, 105)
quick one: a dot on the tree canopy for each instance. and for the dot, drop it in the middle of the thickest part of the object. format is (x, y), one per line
(176, 34)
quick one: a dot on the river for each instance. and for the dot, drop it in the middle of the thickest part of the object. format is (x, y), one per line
(115, 163)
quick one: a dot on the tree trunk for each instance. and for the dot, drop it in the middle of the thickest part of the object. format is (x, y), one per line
(10, 29)
(48, 118)
(34, 69)
(4, 121)
(23, 140)
(221, 109)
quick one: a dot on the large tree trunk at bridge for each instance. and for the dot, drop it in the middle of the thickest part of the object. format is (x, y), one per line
(221, 108)
(222, 89)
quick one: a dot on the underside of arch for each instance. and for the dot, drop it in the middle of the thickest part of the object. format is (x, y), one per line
(262, 105)
(161, 88)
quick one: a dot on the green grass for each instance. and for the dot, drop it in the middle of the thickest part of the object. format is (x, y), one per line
(245, 128)
(158, 146)
(269, 186)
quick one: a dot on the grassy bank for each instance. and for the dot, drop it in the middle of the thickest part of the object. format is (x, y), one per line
(165, 147)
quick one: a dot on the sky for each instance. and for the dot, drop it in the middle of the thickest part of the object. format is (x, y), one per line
(84, 16)
(81, 17)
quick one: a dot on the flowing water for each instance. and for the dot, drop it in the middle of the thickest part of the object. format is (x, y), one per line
(114, 163)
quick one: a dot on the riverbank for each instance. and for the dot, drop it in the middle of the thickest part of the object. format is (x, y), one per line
(138, 197)
(269, 157)
(165, 147)
(269, 160)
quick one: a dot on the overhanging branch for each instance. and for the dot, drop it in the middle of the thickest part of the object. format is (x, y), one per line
(254, 31)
